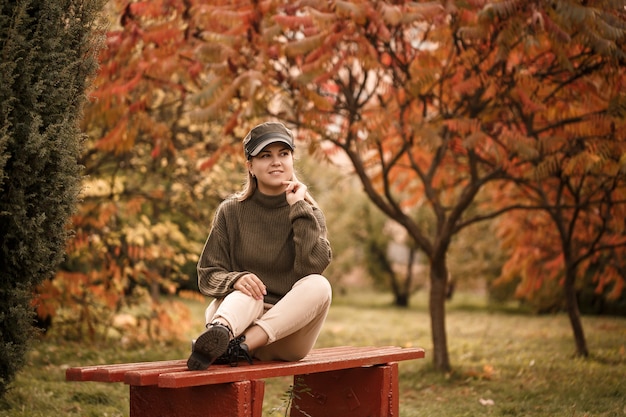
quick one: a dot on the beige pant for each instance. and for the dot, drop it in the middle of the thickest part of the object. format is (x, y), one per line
(292, 324)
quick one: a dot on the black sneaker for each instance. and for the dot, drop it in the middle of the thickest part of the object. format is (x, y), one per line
(209, 346)
(236, 351)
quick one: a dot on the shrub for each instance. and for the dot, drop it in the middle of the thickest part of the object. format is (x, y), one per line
(48, 56)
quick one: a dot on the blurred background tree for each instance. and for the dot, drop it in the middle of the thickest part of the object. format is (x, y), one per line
(565, 92)
(151, 185)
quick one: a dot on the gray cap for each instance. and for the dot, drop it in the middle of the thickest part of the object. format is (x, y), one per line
(262, 135)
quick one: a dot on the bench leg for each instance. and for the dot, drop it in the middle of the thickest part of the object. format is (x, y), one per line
(237, 399)
(357, 392)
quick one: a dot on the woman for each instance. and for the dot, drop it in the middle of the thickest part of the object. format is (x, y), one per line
(262, 262)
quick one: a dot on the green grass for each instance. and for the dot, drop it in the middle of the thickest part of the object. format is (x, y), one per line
(505, 364)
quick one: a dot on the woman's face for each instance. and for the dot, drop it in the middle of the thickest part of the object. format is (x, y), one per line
(272, 166)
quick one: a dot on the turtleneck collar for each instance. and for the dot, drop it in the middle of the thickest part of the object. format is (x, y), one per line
(269, 201)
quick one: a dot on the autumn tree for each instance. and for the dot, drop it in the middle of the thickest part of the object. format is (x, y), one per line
(581, 224)
(567, 110)
(149, 190)
(48, 51)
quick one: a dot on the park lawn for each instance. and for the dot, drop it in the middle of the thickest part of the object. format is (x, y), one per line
(504, 364)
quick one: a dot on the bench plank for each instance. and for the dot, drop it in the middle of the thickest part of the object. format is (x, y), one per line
(150, 376)
(114, 372)
(353, 357)
(174, 373)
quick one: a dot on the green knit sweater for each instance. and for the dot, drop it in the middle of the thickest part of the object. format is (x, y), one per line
(265, 236)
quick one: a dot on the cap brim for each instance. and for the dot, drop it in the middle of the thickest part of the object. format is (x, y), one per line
(257, 150)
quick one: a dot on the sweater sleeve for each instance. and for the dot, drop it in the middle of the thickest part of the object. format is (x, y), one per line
(313, 251)
(215, 277)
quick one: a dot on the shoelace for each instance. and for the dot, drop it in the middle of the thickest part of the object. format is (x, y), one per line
(235, 351)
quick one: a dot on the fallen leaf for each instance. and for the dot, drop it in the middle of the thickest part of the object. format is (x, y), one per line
(489, 401)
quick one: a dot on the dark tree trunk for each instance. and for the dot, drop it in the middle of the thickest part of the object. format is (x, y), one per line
(438, 289)
(401, 300)
(402, 295)
(574, 312)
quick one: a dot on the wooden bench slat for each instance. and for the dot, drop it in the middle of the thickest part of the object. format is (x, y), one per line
(118, 374)
(317, 362)
(335, 354)
(166, 373)
(113, 372)
(340, 350)
(151, 377)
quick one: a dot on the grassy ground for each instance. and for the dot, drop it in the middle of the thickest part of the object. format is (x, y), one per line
(505, 364)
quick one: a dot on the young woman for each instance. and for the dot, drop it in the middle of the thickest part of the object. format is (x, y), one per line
(262, 262)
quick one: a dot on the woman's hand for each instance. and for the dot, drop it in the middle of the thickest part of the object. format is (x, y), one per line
(251, 285)
(295, 191)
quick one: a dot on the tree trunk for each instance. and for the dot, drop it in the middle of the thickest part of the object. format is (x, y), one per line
(155, 291)
(401, 300)
(574, 312)
(408, 282)
(438, 279)
(403, 295)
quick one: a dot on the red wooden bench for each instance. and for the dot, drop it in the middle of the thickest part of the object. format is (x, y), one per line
(337, 382)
